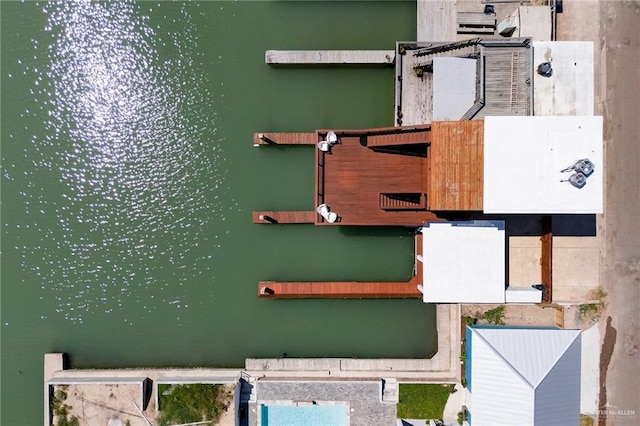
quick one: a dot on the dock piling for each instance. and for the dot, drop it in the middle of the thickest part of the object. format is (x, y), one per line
(268, 218)
(265, 139)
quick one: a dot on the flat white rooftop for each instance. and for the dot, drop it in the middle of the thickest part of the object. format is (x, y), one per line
(569, 89)
(454, 87)
(524, 158)
(464, 262)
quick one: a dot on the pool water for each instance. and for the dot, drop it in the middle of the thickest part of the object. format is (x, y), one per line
(311, 415)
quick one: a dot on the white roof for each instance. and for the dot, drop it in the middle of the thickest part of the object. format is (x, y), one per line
(522, 295)
(525, 376)
(524, 157)
(454, 87)
(570, 88)
(464, 262)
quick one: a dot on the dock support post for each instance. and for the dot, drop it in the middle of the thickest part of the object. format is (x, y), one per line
(265, 139)
(267, 291)
(268, 218)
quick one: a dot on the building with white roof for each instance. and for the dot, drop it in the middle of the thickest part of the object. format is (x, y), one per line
(477, 78)
(528, 160)
(463, 262)
(523, 376)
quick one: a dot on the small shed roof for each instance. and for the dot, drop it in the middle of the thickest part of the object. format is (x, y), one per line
(464, 262)
(524, 159)
(569, 89)
(524, 376)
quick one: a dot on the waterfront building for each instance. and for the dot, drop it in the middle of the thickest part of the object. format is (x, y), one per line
(523, 375)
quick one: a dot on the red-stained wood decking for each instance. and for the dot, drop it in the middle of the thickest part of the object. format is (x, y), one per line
(456, 166)
(268, 217)
(399, 138)
(285, 139)
(393, 175)
(351, 177)
(347, 289)
(338, 290)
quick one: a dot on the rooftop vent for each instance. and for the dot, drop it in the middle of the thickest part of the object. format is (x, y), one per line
(582, 169)
(545, 70)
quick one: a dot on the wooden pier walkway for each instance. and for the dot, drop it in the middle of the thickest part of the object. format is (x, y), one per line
(328, 57)
(284, 139)
(273, 217)
(339, 290)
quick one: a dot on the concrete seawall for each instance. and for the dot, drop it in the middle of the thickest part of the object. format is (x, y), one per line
(443, 367)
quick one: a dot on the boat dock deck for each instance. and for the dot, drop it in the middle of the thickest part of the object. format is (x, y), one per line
(328, 57)
(339, 290)
(285, 139)
(268, 217)
(376, 177)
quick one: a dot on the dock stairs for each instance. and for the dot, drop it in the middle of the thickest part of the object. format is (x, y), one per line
(390, 391)
(462, 49)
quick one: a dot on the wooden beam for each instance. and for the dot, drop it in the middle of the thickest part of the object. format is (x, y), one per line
(273, 217)
(339, 290)
(284, 139)
(405, 138)
(546, 259)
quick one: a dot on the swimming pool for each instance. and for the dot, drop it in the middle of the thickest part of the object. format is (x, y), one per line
(303, 415)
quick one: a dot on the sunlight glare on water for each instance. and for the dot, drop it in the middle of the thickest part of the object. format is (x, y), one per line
(126, 133)
(129, 178)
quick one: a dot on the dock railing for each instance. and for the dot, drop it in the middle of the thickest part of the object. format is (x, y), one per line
(320, 177)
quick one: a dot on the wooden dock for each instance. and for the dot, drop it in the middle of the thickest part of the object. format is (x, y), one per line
(356, 179)
(275, 217)
(456, 166)
(284, 139)
(329, 57)
(339, 290)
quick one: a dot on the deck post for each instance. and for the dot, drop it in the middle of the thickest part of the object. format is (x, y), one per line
(266, 291)
(265, 139)
(268, 218)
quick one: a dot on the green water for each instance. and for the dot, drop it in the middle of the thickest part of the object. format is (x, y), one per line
(129, 178)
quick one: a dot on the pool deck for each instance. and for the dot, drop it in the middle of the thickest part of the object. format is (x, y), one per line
(366, 402)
